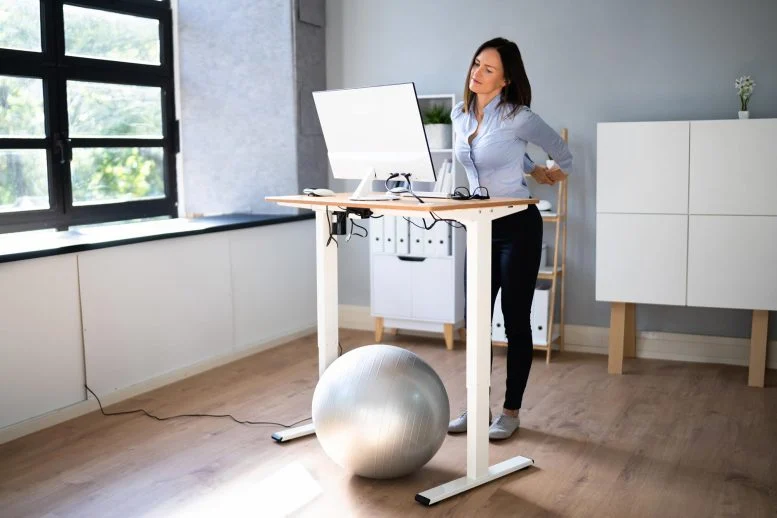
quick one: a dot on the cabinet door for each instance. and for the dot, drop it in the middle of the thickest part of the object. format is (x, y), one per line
(734, 167)
(641, 258)
(642, 167)
(433, 290)
(391, 293)
(732, 262)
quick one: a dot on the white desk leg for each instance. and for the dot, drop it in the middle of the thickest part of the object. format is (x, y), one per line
(326, 292)
(478, 372)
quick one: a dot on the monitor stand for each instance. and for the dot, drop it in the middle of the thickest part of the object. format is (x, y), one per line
(364, 191)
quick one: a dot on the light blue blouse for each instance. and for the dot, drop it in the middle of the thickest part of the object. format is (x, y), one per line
(497, 157)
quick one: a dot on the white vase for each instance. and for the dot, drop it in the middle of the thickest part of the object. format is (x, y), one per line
(744, 114)
(438, 136)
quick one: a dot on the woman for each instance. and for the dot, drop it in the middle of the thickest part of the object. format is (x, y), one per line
(493, 124)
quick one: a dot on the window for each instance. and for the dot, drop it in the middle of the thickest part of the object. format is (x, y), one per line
(88, 132)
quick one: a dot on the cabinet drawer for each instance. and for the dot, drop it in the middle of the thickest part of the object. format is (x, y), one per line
(642, 167)
(732, 262)
(641, 258)
(733, 167)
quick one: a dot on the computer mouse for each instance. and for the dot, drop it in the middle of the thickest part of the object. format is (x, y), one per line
(319, 192)
(544, 205)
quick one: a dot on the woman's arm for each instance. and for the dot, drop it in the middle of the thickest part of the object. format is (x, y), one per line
(531, 128)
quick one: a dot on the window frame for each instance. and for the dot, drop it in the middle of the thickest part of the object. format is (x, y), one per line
(55, 69)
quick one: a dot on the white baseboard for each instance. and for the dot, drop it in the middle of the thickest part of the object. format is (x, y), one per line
(61, 415)
(650, 344)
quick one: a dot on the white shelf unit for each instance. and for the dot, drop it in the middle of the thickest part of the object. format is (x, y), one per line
(417, 275)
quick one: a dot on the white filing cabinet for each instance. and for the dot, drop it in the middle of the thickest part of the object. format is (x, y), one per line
(686, 215)
(417, 276)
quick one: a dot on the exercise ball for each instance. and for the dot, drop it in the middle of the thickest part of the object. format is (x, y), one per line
(380, 411)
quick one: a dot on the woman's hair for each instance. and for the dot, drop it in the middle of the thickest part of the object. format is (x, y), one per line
(517, 91)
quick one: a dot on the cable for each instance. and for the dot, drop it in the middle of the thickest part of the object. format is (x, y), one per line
(351, 233)
(400, 189)
(452, 222)
(140, 410)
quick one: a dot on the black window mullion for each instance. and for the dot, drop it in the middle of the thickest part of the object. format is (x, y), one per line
(86, 69)
(56, 69)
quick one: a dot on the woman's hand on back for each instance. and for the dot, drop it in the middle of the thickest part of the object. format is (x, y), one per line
(541, 174)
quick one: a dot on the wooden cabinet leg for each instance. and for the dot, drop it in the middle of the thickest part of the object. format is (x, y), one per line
(617, 337)
(630, 337)
(757, 369)
(378, 330)
(463, 334)
(448, 332)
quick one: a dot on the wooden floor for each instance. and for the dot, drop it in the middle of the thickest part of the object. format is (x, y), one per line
(664, 439)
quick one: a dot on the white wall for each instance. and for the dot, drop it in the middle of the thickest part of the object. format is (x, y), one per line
(149, 309)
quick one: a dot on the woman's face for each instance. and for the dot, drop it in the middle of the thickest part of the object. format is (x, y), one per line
(487, 74)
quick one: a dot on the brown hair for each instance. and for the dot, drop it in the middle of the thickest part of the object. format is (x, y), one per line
(517, 91)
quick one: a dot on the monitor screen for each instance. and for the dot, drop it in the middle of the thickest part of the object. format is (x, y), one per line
(376, 131)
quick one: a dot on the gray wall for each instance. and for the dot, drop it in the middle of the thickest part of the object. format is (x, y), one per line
(244, 135)
(607, 60)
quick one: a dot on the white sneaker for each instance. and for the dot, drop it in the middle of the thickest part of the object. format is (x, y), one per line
(504, 427)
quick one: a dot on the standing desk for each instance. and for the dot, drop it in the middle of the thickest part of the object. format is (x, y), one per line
(477, 215)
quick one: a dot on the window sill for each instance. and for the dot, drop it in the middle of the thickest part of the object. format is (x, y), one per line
(31, 245)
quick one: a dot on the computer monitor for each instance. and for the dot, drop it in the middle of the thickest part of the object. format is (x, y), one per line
(373, 132)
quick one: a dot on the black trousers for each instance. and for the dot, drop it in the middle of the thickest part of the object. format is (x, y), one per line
(516, 249)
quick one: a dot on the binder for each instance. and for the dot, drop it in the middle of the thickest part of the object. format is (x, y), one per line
(389, 234)
(418, 236)
(403, 236)
(376, 234)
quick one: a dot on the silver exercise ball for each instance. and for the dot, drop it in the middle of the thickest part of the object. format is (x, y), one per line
(380, 411)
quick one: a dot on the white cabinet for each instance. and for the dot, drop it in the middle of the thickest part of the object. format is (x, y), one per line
(733, 167)
(641, 258)
(644, 250)
(642, 168)
(687, 215)
(732, 262)
(419, 287)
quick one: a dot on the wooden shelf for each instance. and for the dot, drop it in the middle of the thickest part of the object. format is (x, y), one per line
(550, 216)
(548, 274)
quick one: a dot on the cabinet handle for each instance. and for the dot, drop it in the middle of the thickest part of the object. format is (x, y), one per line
(413, 259)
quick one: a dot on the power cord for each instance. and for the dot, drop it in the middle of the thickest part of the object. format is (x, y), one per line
(354, 224)
(399, 189)
(451, 222)
(142, 411)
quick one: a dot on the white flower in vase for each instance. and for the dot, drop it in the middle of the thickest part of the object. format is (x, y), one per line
(744, 86)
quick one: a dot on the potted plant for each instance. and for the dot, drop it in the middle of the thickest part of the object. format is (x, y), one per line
(744, 86)
(437, 124)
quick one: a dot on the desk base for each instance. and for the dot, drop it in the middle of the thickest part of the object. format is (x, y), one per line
(454, 487)
(294, 433)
